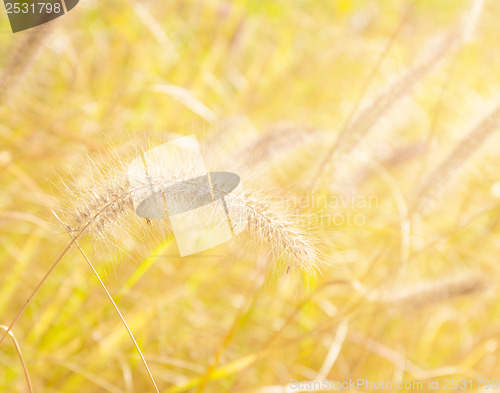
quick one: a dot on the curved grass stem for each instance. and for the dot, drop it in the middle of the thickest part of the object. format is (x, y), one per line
(19, 353)
(120, 315)
(44, 278)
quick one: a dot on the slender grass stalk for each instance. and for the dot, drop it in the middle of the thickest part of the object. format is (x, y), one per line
(27, 302)
(109, 205)
(120, 315)
(114, 305)
(63, 253)
(19, 353)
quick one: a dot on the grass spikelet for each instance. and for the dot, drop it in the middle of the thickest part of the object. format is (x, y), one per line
(362, 124)
(366, 120)
(434, 184)
(21, 57)
(277, 141)
(389, 157)
(273, 225)
(104, 207)
(430, 292)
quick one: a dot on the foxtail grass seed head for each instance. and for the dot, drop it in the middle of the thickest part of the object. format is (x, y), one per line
(204, 209)
(429, 292)
(433, 186)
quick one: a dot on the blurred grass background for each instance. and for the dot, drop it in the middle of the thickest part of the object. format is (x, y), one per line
(252, 77)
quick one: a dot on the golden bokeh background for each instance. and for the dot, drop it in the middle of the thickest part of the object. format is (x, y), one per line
(408, 293)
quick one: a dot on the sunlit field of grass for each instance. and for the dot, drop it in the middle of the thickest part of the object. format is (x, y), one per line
(371, 127)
